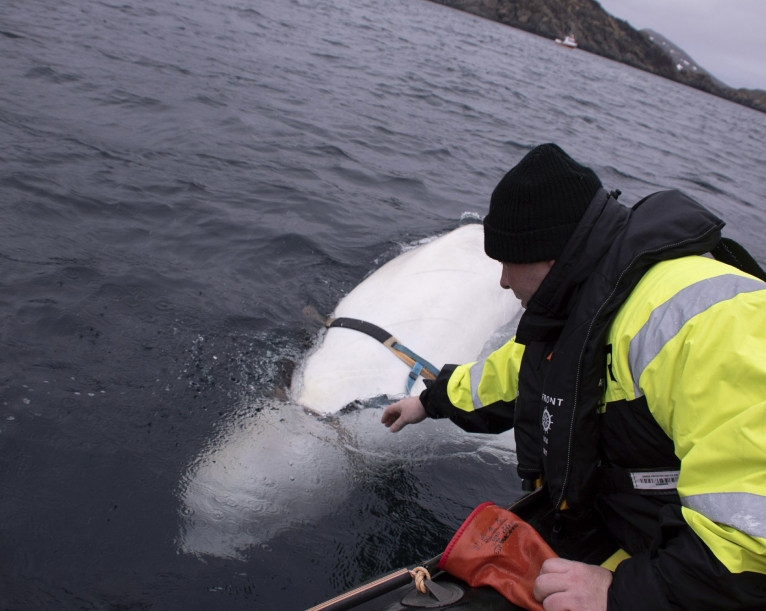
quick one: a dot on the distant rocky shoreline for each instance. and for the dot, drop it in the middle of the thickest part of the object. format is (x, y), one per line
(599, 32)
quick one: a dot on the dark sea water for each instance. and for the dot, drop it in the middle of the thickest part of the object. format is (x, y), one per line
(178, 179)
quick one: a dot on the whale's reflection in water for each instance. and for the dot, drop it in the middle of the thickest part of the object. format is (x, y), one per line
(276, 467)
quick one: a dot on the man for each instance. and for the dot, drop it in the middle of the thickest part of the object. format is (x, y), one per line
(636, 385)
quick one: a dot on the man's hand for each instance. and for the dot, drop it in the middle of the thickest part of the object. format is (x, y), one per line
(404, 412)
(564, 585)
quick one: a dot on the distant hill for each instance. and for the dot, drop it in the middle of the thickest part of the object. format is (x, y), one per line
(599, 32)
(680, 58)
(754, 98)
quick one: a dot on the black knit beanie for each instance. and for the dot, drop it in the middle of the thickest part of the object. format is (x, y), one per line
(537, 205)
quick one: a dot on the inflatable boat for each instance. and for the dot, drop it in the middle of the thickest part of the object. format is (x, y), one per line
(405, 589)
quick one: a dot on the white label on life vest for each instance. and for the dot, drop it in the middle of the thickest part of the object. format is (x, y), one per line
(655, 480)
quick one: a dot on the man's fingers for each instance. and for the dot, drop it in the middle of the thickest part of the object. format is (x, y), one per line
(404, 412)
(546, 585)
(394, 424)
(390, 414)
(557, 602)
(397, 426)
(393, 417)
(553, 578)
(564, 585)
(556, 565)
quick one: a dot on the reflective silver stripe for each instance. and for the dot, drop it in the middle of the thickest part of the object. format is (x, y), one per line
(743, 510)
(476, 371)
(667, 320)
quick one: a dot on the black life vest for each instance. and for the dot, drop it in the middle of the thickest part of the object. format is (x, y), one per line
(566, 322)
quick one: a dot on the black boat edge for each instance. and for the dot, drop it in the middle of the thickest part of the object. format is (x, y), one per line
(397, 592)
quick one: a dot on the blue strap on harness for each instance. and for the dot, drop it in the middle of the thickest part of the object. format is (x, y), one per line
(413, 375)
(419, 360)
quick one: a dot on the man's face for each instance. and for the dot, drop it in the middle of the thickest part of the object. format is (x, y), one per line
(524, 278)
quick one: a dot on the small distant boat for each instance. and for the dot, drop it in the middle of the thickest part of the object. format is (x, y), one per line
(569, 41)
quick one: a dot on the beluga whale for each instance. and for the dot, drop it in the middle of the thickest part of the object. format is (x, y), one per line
(441, 300)
(294, 463)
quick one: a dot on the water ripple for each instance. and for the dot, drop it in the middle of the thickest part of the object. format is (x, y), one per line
(180, 179)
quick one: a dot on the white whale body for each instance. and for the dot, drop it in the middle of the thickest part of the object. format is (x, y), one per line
(442, 300)
(285, 469)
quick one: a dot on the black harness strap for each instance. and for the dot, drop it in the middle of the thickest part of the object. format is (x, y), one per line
(360, 325)
(419, 365)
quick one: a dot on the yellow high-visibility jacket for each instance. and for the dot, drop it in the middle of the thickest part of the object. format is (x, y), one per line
(685, 382)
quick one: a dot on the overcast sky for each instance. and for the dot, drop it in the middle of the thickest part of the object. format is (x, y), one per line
(725, 37)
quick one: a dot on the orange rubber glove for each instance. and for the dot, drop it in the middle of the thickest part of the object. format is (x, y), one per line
(495, 547)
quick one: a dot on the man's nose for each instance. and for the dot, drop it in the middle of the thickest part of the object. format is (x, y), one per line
(503, 280)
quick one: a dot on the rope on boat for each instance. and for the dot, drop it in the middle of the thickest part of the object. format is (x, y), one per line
(420, 575)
